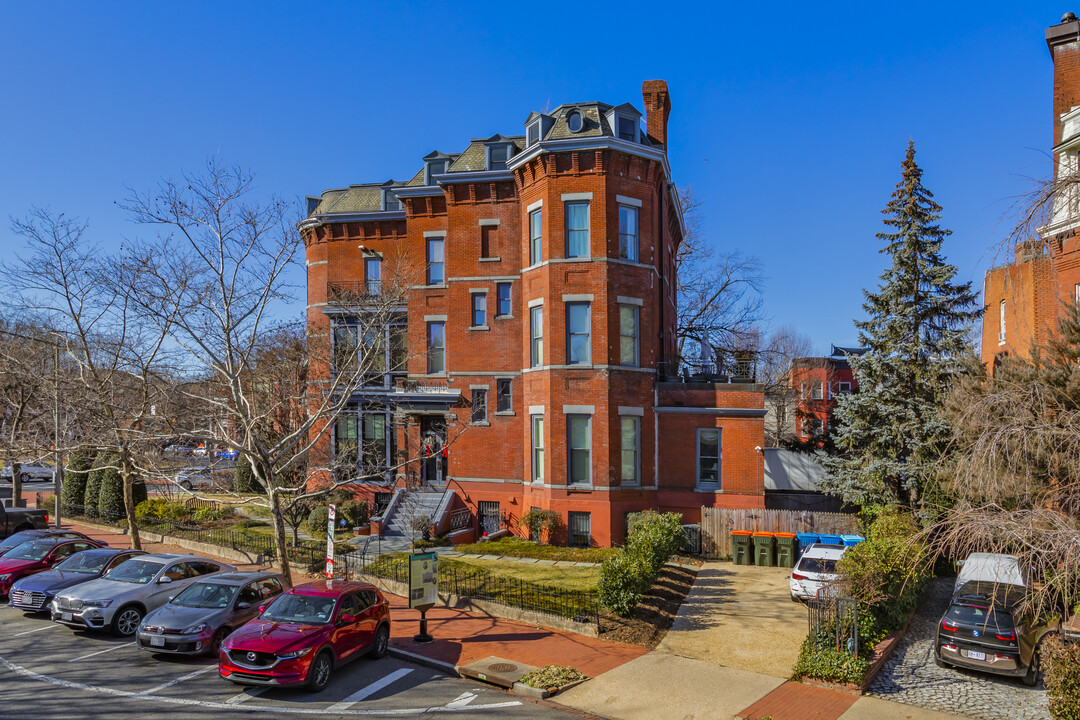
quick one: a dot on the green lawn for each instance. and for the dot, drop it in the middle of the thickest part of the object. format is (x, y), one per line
(566, 577)
(514, 546)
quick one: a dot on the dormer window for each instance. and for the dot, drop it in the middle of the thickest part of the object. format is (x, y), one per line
(626, 128)
(575, 121)
(390, 201)
(497, 155)
(534, 133)
(434, 167)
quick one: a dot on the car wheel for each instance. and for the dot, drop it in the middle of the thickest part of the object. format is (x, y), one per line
(127, 620)
(382, 642)
(319, 672)
(215, 642)
(1031, 677)
(24, 477)
(794, 597)
(938, 661)
(185, 485)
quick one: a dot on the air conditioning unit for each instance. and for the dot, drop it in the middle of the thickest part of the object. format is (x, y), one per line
(1001, 337)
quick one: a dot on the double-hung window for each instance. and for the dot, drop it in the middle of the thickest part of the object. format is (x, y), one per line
(346, 440)
(628, 232)
(436, 348)
(536, 331)
(435, 274)
(578, 333)
(479, 406)
(708, 457)
(817, 391)
(628, 335)
(577, 229)
(502, 300)
(390, 201)
(631, 435)
(536, 231)
(579, 449)
(479, 309)
(372, 275)
(538, 448)
(504, 395)
(497, 156)
(346, 348)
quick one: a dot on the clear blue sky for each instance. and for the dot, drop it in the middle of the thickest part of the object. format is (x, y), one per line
(789, 120)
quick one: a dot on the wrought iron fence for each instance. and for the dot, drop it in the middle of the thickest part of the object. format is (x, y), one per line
(834, 624)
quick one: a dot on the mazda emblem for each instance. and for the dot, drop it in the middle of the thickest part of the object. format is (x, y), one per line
(974, 633)
(252, 656)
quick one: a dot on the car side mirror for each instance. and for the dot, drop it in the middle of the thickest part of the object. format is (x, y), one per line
(244, 605)
(171, 597)
(164, 579)
(347, 619)
(262, 608)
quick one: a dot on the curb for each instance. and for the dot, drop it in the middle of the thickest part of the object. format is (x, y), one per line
(520, 688)
(448, 668)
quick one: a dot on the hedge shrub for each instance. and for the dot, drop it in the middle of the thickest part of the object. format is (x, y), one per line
(111, 492)
(243, 479)
(317, 520)
(73, 494)
(354, 511)
(632, 572)
(1061, 674)
(93, 486)
(830, 666)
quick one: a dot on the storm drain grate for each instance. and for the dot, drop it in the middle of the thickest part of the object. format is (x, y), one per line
(496, 670)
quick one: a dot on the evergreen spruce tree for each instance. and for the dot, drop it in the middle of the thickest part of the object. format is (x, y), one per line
(93, 486)
(892, 431)
(111, 492)
(73, 494)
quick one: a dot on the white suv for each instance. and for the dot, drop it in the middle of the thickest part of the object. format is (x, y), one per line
(815, 570)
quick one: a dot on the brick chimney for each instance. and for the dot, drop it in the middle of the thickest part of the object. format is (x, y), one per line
(654, 93)
(1063, 40)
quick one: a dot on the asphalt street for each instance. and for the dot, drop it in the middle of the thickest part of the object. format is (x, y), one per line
(53, 671)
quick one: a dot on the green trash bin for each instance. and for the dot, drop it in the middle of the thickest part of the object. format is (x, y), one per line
(785, 550)
(764, 549)
(740, 548)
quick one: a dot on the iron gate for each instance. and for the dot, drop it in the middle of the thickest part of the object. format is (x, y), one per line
(834, 624)
(489, 517)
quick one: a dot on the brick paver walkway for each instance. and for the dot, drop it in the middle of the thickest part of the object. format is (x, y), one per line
(795, 701)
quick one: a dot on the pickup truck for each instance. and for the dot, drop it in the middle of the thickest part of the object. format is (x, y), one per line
(13, 520)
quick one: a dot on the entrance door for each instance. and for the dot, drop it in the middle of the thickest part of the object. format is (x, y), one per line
(433, 435)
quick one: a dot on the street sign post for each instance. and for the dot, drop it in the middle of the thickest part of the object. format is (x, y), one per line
(423, 589)
(330, 543)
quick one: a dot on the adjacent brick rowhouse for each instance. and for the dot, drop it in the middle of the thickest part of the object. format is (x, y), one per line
(1025, 298)
(820, 380)
(574, 227)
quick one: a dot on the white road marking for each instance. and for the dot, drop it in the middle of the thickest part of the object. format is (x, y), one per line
(462, 700)
(277, 709)
(101, 652)
(46, 627)
(246, 695)
(369, 690)
(162, 686)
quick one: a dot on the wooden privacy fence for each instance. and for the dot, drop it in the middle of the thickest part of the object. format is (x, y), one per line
(717, 524)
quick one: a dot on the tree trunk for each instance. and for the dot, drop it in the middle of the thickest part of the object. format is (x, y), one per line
(279, 532)
(127, 472)
(16, 481)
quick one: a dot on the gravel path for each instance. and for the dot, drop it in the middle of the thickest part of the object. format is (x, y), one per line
(910, 675)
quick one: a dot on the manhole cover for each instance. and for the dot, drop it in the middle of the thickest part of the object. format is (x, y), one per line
(502, 667)
(495, 670)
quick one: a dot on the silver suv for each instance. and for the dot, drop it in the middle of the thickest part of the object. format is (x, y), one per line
(124, 595)
(29, 471)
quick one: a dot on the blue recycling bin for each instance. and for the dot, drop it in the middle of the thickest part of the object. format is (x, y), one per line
(850, 540)
(830, 539)
(806, 540)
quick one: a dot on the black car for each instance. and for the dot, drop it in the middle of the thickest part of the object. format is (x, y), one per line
(983, 630)
(34, 593)
(26, 535)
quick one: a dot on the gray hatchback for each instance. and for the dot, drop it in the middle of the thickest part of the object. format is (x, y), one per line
(195, 621)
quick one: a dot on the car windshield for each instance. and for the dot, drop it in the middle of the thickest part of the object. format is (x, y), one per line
(301, 609)
(818, 565)
(88, 563)
(18, 539)
(972, 615)
(33, 550)
(134, 571)
(206, 595)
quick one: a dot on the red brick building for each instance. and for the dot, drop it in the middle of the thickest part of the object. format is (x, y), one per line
(819, 381)
(536, 350)
(1025, 297)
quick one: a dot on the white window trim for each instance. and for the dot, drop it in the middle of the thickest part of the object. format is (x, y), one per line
(570, 197)
(636, 482)
(579, 409)
(535, 303)
(623, 200)
(535, 206)
(840, 387)
(434, 234)
(489, 222)
(698, 485)
(536, 409)
(586, 297)
(635, 411)
(623, 300)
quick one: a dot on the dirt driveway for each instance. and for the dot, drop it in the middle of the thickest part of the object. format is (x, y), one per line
(742, 617)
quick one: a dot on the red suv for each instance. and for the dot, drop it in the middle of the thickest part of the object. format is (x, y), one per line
(305, 633)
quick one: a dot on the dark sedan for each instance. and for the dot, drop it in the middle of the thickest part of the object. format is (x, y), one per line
(26, 535)
(38, 555)
(35, 592)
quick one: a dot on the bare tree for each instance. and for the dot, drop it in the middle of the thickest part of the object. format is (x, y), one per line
(115, 374)
(783, 346)
(719, 293)
(214, 281)
(23, 408)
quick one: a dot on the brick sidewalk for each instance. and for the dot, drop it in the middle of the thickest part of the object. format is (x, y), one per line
(795, 701)
(462, 637)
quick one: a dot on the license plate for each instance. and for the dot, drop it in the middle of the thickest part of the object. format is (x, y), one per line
(65, 616)
(157, 642)
(976, 655)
